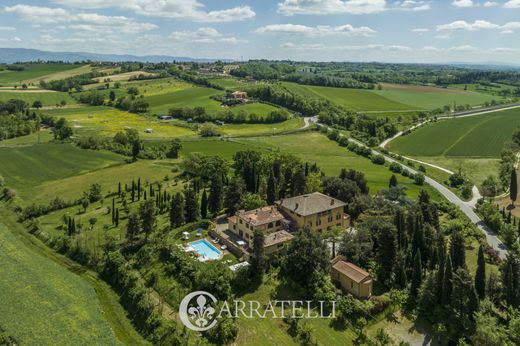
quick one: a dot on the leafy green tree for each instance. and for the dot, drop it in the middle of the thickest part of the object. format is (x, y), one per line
(37, 104)
(94, 193)
(480, 275)
(488, 331)
(251, 201)
(136, 148)
(307, 251)
(147, 216)
(298, 182)
(174, 149)
(233, 194)
(357, 246)
(204, 205)
(84, 204)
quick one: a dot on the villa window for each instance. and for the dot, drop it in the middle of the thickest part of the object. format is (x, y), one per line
(240, 221)
(338, 216)
(270, 225)
(278, 223)
(318, 222)
(330, 218)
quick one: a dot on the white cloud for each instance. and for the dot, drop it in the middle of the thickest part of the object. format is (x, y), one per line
(7, 28)
(321, 7)
(463, 48)
(91, 22)
(464, 3)
(508, 28)
(512, 4)
(320, 30)
(463, 25)
(14, 39)
(491, 4)
(204, 35)
(181, 9)
(420, 31)
(370, 47)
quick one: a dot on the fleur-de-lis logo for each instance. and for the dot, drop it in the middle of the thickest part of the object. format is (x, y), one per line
(201, 313)
(199, 316)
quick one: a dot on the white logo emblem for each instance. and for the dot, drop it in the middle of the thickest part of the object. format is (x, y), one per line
(196, 313)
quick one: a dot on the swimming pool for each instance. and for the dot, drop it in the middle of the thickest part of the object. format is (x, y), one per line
(206, 250)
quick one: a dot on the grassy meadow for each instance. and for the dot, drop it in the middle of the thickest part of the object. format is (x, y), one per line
(107, 121)
(43, 303)
(26, 167)
(33, 73)
(48, 98)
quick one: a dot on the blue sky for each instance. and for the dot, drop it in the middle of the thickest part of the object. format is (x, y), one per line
(323, 30)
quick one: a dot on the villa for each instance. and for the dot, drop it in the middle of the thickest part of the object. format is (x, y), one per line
(316, 210)
(241, 95)
(351, 278)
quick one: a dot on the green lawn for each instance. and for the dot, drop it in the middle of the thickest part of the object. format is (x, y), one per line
(477, 136)
(34, 72)
(238, 130)
(43, 303)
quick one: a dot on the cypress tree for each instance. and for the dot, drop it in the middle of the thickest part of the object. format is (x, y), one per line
(271, 189)
(513, 188)
(393, 181)
(117, 217)
(113, 210)
(69, 226)
(416, 274)
(204, 205)
(258, 258)
(133, 191)
(441, 252)
(480, 275)
(119, 189)
(144, 195)
(298, 182)
(400, 271)
(458, 250)
(151, 190)
(138, 189)
(191, 205)
(177, 211)
(215, 194)
(447, 287)
(510, 285)
(306, 168)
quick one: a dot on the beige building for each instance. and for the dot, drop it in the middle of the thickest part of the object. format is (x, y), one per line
(266, 219)
(316, 210)
(351, 278)
(269, 221)
(239, 95)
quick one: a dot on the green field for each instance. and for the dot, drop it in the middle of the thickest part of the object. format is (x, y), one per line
(43, 303)
(47, 98)
(432, 100)
(26, 167)
(107, 121)
(477, 136)
(34, 72)
(392, 98)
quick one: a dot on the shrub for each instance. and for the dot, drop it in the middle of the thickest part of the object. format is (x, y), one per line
(395, 167)
(378, 159)
(419, 179)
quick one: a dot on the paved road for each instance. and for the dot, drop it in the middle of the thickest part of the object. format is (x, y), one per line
(491, 236)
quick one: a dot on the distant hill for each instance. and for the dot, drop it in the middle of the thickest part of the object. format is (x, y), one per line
(12, 55)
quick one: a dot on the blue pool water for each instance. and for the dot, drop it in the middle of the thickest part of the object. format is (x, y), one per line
(205, 249)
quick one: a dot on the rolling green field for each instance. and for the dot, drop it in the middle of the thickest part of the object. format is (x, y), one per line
(477, 136)
(107, 121)
(34, 72)
(44, 304)
(26, 167)
(392, 98)
(47, 98)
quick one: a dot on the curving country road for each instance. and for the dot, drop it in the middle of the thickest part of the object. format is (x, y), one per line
(466, 207)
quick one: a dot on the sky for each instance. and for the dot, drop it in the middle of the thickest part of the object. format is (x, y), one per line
(448, 31)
